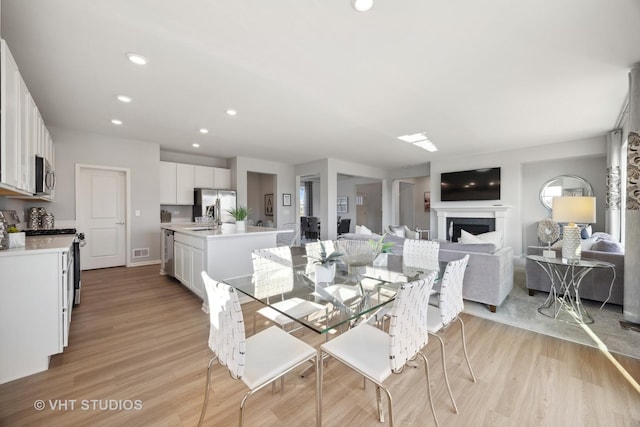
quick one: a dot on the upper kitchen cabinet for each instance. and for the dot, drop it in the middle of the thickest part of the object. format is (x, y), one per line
(222, 178)
(177, 181)
(23, 134)
(167, 183)
(185, 183)
(203, 176)
(10, 159)
(212, 177)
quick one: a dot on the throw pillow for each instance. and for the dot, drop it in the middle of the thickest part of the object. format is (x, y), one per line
(361, 229)
(409, 233)
(603, 236)
(494, 237)
(607, 246)
(396, 230)
(585, 231)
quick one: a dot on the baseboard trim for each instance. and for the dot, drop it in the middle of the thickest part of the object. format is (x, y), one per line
(143, 263)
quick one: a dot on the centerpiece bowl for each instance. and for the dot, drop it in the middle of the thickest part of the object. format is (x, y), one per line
(357, 253)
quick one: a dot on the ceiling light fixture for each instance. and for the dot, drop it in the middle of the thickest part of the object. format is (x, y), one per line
(124, 98)
(116, 122)
(137, 59)
(231, 112)
(203, 130)
(420, 140)
(362, 5)
(195, 144)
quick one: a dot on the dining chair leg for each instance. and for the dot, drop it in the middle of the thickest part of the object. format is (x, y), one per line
(426, 371)
(464, 347)
(379, 402)
(444, 368)
(206, 392)
(242, 402)
(319, 378)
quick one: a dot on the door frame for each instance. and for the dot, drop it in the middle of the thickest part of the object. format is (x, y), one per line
(127, 201)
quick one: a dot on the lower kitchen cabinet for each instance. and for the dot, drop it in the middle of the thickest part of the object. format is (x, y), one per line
(189, 262)
(35, 308)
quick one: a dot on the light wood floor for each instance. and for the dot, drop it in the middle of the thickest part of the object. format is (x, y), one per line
(141, 336)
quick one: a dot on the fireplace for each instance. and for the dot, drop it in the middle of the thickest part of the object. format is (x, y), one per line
(455, 225)
(478, 219)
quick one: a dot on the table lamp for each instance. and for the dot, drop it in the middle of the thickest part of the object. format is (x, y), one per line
(573, 210)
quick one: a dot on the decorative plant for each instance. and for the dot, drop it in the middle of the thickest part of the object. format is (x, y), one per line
(324, 259)
(13, 229)
(239, 214)
(381, 247)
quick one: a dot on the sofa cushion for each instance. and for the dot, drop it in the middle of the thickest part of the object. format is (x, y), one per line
(607, 246)
(585, 232)
(599, 235)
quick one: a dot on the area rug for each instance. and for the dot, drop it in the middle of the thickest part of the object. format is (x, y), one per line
(520, 310)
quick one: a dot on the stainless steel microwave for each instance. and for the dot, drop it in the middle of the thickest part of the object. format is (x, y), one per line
(45, 177)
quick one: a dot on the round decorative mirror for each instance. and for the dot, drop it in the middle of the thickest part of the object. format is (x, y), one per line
(564, 185)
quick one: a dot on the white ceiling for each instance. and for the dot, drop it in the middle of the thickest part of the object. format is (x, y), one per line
(313, 79)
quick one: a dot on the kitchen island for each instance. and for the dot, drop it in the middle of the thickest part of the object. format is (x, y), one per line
(221, 251)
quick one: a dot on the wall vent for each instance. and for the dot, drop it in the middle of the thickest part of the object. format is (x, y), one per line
(141, 253)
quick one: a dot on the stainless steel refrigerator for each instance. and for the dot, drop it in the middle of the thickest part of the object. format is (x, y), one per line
(213, 204)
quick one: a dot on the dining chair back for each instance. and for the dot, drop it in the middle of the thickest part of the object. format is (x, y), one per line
(257, 360)
(420, 253)
(288, 239)
(450, 306)
(313, 228)
(271, 258)
(344, 226)
(376, 354)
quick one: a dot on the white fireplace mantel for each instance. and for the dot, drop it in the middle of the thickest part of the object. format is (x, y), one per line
(499, 212)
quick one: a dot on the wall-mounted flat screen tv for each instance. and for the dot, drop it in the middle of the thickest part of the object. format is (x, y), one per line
(478, 184)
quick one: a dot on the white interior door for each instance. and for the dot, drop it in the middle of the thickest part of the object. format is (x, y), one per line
(101, 205)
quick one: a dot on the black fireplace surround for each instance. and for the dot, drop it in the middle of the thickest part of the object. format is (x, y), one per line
(470, 225)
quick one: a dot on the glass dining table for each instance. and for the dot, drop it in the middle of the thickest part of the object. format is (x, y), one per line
(354, 294)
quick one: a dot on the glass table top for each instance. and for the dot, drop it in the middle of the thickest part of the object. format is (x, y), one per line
(355, 292)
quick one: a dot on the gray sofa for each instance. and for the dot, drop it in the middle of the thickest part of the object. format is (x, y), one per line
(594, 286)
(489, 275)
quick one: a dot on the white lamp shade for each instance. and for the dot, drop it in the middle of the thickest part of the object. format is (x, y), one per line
(580, 210)
(362, 5)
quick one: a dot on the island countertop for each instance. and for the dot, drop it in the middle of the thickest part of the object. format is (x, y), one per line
(208, 231)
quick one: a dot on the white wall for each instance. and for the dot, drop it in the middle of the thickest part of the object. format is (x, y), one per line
(284, 182)
(511, 163)
(141, 158)
(193, 159)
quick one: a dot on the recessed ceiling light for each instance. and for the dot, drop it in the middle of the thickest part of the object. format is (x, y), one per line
(195, 144)
(427, 145)
(231, 112)
(420, 140)
(362, 5)
(124, 98)
(203, 130)
(137, 59)
(116, 122)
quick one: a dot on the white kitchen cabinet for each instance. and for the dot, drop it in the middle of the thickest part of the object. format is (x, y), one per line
(221, 178)
(185, 183)
(203, 176)
(167, 181)
(35, 307)
(27, 139)
(10, 159)
(189, 262)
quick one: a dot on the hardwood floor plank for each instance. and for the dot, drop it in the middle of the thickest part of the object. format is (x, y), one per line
(141, 336)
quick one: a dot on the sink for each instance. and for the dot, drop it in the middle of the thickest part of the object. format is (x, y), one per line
(198, 228)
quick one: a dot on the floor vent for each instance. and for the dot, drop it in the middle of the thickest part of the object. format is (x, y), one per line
(141, 253)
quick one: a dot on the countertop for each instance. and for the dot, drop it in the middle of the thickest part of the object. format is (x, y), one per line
(225, 230)
(42, 244)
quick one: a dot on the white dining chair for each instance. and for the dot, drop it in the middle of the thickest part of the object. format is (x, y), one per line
(376, 354)
(420, 253)
(258, 360)
(273, 277)
(288, 239)
(450, 306)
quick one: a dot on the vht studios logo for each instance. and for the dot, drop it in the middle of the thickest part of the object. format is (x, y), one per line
(88, 405)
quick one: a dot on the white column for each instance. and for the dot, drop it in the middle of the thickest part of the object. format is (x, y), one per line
(614, 187)
(631, 308)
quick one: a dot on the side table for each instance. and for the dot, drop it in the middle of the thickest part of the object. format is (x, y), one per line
(563, 302)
